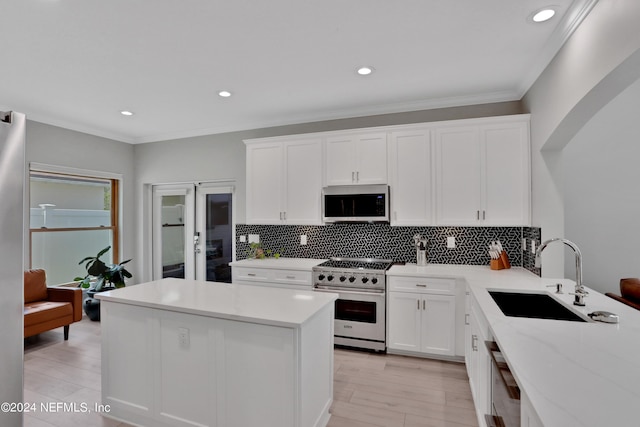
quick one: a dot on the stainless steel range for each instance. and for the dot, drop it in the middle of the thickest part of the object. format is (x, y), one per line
(360, 309)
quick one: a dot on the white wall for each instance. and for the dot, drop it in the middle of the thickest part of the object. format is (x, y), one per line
(601, 195)
(599, 61)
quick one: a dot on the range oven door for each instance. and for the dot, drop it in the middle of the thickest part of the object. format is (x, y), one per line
(359, 315)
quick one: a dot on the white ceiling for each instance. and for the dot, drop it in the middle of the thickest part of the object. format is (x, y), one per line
(77, 63)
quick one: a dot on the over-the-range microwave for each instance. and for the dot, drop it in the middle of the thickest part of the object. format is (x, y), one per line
(355, 203)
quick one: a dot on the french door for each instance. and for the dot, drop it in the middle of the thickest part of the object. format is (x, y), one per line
(193, 231)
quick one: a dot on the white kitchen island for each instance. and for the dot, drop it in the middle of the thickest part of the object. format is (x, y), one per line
(188, 353)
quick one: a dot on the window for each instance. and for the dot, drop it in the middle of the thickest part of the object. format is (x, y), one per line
(71, 217)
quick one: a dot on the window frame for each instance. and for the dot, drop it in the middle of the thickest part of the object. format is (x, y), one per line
(116, 204)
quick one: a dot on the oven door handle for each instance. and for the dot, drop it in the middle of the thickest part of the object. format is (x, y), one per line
(347, 291)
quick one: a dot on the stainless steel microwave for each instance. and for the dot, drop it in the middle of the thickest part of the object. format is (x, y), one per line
(355, 203)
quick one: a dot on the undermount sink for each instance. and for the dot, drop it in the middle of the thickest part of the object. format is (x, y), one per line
(539, 306)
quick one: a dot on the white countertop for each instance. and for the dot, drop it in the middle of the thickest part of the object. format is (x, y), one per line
(305, 264)
(255, 304)
(575, 374)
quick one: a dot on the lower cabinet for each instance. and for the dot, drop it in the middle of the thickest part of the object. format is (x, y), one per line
(280, 278)
(169, 369)
(478, 360)
(423, 321)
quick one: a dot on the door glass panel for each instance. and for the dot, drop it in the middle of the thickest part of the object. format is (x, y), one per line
(355, 311)
(173, 236)
(218, 237)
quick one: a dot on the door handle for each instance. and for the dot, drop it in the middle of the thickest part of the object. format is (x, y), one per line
(418, 301)
(424, 304)
(466, 319)
(353, 177)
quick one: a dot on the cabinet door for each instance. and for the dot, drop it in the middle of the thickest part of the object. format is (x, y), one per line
(371, 158)
(340, 160)
(264, 183)
(506, 187)
(457, 176)
(410, 168)
(303, 182)
(404, 321)
(438, 324)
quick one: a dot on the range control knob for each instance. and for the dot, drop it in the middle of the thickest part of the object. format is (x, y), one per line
(321, 277)
(365, 280)
(342, 278)
(329, 277)
(374, 280)
(352, 279)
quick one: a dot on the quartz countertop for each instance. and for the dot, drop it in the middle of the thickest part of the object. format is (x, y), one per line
(255, 304)
(574, 374)
(305, 264)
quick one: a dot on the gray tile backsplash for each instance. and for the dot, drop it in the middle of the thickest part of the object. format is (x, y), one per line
(384, 241)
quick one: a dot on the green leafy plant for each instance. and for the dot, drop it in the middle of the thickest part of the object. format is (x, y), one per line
(256, 251)
(100, 275)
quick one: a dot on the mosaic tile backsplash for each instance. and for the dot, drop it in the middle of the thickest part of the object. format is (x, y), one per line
(386, 242)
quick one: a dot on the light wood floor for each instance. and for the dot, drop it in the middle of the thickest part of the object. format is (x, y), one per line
(369, 389)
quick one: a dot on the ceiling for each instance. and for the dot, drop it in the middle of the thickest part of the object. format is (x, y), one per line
(78, 63)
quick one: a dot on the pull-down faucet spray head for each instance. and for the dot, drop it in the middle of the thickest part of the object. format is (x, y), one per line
(580, 293)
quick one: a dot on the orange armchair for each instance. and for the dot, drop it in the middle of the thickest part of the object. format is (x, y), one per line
(630, 290)
(49, 308)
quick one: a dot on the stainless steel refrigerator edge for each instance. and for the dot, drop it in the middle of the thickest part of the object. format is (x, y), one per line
(12, 178)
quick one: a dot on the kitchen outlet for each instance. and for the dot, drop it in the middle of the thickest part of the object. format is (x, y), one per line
(183, 337)
(533, 246)
(303, 239)
(254, 238)
(451, 242)
(524, 244)
(243, 239)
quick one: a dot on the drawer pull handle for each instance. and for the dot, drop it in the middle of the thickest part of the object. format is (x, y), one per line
(421, 286)
(291, 277)
(251, 274)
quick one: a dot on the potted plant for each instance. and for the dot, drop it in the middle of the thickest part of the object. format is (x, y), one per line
(100, 277)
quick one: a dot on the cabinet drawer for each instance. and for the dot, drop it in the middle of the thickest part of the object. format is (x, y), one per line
(251, 274)
(422, 284)
(292, 277)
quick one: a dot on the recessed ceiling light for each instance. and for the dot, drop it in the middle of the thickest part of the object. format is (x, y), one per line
(365, 71)
(224, 93)
(126, 113)
(543, 15)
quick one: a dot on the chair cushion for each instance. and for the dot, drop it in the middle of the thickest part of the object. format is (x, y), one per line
(43, 311)
(35, 285)
(630, 289)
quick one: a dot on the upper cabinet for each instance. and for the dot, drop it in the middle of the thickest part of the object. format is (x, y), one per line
(483, 173)
(411, 177)
(356, 158)
(284, 179)
(473, 172)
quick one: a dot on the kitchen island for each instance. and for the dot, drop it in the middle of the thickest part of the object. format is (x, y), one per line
(569, 373)
(187, 353)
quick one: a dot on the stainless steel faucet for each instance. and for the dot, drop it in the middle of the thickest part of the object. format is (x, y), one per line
(580, 293)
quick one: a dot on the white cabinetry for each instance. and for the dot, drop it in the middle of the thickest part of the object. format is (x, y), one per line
(422, 315)
(280, 278)
(356, 159)
(478, 360)
(166, 368)
(528, 415)
(483, 173)
(411, 170)
(284, 179)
